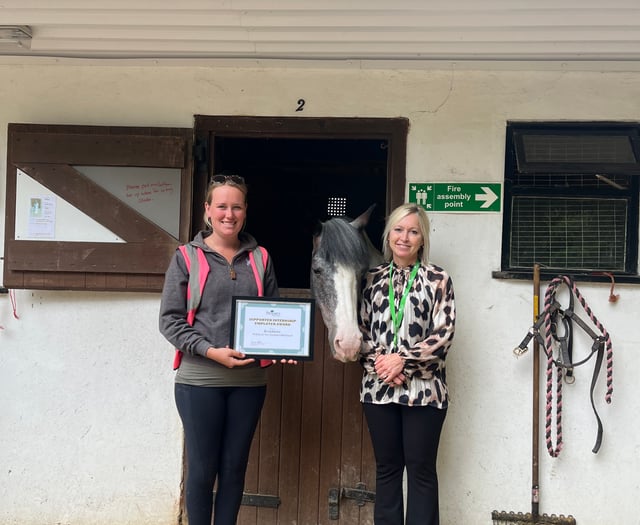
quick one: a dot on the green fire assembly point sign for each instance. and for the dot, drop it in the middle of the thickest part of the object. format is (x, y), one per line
(473, 197)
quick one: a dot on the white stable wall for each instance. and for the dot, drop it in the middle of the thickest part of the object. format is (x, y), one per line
(90, 434)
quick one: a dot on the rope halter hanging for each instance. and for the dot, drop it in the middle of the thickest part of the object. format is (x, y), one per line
(559, 344)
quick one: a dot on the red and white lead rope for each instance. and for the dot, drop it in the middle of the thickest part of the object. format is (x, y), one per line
(12, 298)
(14, 304)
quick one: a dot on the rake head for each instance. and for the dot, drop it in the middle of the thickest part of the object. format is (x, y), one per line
(519, 518)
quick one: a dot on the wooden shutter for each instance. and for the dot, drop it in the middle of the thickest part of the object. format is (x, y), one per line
(48, 154)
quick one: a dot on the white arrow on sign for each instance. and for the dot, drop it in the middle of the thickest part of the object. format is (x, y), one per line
(489, 197)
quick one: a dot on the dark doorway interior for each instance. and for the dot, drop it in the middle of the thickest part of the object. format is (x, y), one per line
(293, 183)
(312, 438)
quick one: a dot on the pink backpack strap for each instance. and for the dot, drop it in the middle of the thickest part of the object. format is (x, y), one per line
(259, 267)
(198, 269)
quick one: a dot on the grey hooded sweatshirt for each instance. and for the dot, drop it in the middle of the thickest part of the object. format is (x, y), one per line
(212, 325)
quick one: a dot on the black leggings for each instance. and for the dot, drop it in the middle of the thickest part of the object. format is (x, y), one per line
(219, 423)
(404, 436)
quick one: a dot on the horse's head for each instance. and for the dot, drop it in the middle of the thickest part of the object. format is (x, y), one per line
(342, 252)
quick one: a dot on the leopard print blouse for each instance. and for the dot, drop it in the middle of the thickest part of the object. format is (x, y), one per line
(424, 338)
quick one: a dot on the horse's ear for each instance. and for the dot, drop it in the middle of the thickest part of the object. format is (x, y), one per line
(363, 219)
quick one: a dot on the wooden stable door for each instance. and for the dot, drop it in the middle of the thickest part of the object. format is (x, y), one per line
(311, 461)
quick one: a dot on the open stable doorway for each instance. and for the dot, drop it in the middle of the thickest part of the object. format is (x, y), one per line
(301, 172)
(311, 460)
(295, 183)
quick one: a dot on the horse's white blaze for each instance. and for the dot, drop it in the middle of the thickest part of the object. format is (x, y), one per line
(347, 337)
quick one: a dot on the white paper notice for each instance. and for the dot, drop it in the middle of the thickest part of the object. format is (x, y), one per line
(42, 216)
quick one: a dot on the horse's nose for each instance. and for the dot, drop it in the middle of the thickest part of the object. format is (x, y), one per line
(347, 348)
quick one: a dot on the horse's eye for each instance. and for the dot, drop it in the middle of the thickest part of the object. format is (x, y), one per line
(317, 271)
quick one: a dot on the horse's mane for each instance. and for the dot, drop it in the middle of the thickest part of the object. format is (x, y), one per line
(341, 243)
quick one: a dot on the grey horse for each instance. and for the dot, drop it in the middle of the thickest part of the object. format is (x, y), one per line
(342, 252)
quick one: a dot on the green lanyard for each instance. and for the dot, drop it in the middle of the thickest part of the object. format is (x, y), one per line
(396, 317)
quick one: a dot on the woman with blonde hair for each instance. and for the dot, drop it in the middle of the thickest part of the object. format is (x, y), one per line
(407, 317)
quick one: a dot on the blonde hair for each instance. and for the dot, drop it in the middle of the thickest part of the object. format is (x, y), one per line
(223, 180)
(395, 217)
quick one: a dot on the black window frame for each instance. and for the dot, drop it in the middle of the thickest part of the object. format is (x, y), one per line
(516, 163)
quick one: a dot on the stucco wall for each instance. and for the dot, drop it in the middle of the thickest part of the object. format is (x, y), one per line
(89, 430)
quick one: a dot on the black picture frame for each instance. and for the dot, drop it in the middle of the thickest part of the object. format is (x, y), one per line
(273, 327)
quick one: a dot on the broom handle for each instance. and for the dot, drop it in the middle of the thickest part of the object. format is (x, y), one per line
(535, 493)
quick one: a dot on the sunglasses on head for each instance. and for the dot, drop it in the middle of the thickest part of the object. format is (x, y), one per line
(223, 179)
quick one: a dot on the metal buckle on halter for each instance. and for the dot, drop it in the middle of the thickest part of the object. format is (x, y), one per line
(564, 341)
(534, 331)
(522, 348)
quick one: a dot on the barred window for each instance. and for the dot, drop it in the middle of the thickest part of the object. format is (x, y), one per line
(571, 198)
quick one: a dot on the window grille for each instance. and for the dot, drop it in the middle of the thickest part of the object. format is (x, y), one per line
(571, 198)
(568, 234)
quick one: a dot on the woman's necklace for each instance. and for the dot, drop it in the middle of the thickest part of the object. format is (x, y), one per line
(396, 317)
(228, 253)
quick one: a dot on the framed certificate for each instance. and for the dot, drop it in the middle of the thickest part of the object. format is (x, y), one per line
(270, 328)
